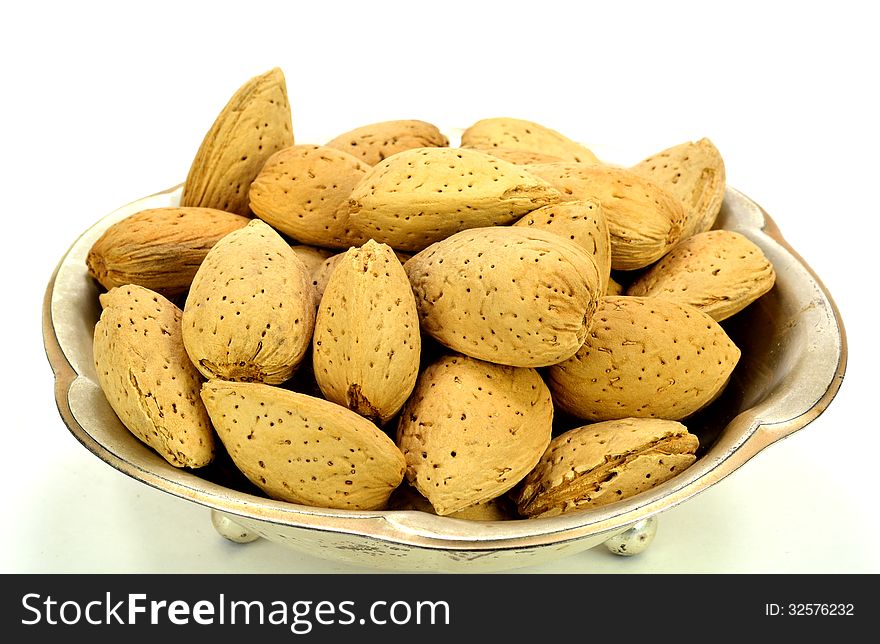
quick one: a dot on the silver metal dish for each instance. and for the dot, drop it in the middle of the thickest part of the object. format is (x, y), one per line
(793, 359)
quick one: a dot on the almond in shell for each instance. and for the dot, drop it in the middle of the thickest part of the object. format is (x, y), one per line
(694, 173)
(472, 430)
(507, 294)
(644, 358)
(597, 464)
(519, 134)
(250, 312)
(254, 125)
(378, 141)
(160, 249)
(147, 377)
(367, 341)
(719, 272)
(421, 196)
(302, 449)
(644, 220)
(302, 191)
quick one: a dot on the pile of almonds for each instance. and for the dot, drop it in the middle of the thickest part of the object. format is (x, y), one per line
(438, 307)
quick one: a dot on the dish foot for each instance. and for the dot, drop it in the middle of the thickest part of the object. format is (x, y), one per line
(635, 540)
(229, 529)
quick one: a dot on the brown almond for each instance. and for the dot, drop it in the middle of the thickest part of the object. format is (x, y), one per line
(597, 464)
(519, 134)
(367, 342)
(644, 358)
(302, 449)
(694, 173)
(421, 196)
(312, 256)
(507, 294)
(254, 125)
(160, 249)
(303, 191)
(378, 141)
(250, 313)
(406, 497)
(147, 377)
(719, 272)
(472, 430)
(644, 220)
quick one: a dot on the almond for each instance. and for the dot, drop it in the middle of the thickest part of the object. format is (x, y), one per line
(160, 248)
(407, 497)
(644, 220)
(605, 462)
(303, 192)
(522, 157)
(472, 430)
(421, 196)
(321, 275)
(378, 141)
(254, 124)
(367, 342)
(644, 358)
(614, 287)
(518, 134)
(694, 173)
(250, 312)
(720, 272)
(302, 449)
(582, 222)
(148, 378)
(508, 294)
(312, 256)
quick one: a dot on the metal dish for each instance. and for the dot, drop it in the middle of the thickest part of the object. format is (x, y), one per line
(794, 355)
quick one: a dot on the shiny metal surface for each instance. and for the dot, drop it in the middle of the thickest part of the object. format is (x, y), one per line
(794, 357)
(634, 540)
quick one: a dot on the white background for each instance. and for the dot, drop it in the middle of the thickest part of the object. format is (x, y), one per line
(102, 104)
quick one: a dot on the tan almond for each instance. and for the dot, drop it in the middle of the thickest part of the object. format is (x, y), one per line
(254, 125)
(720, 272)
(421, 196)
(378, 141)
(582, 222)
(250, 313)
(301, 449)
(147, 377)
(614, 287)
(312, 256)
(597, 464)
(160, 249)
(644, 358)
(321, 275)
(508, 294)
(367, 343)
(406, 497)
(303, 191)
(694, 173)
(522, 157)
(644, 220)
(518, 134)
(472, 430)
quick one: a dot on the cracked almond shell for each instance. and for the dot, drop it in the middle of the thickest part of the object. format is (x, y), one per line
(253, 125)
(719, 272)
(301, 449)
(507, 294)
(644, 220)
(367, 344)
(160, 249)
(644, 358)
(472, 430)
(597, 464)
(147, 377)
(376, 142)
(250, 312)
(421, 196)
